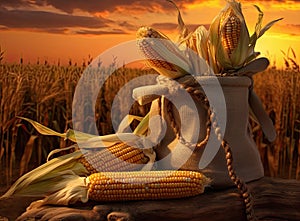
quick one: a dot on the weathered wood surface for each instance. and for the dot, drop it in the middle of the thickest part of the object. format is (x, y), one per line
(274, 199)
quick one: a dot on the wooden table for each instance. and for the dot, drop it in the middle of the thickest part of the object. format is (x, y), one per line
(274, 199)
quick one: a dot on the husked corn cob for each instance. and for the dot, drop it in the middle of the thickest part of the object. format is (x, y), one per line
(119, 157)
(231, 32)
(161, 54)
(145, 185)
(145, 46)
(154, 59)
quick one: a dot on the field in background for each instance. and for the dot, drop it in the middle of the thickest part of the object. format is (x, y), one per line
(44, 93)
(280, 93)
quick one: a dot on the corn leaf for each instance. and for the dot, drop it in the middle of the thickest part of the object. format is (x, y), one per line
(293, 52)
(258, 26)
(27, 154)
(183, 31)
(1, 152)
(55, 151)
(143, 126)
(259, 20)
(253, 67)
(77, 136)
(268, 26)
(41, 180)
(214, 43)
(70, 134)
(108, 140)
(43, 129)
(178, 72)
(128, 119)
(89, 141)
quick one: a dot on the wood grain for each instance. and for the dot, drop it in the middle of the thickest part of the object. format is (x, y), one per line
(275, 199)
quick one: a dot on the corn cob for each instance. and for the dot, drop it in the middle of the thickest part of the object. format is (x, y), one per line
(146, 185)
(62, 178)
(119, 157)
(161, 53)
(230, 44)
(154, 59)
(231, 32)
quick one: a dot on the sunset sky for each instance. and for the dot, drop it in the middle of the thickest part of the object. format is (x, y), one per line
(65, 29)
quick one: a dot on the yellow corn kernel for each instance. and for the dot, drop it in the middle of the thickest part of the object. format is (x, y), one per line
(161, 53)
(145, 185)
(119, 157)
(154, 59)
(231, 32)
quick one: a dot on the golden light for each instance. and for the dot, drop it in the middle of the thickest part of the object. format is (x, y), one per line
(32, 44)
(200, 5)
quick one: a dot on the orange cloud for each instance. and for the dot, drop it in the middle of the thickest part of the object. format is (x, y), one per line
(42, 19)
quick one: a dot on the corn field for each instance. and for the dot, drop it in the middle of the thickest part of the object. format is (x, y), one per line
(279, 91)
(44, 93)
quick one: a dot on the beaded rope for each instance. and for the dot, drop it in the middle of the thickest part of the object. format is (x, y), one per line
(194, 89)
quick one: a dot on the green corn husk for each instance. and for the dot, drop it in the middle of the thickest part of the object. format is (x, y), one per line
(244, 52)
(236, 60)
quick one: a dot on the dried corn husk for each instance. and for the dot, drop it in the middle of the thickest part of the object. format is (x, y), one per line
(60, 177)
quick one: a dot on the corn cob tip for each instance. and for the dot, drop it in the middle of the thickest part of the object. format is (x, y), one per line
(149, 32)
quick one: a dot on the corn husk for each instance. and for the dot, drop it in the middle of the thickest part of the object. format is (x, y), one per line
(47, 178)
(61, 180)
(244, 52)
(88, 141)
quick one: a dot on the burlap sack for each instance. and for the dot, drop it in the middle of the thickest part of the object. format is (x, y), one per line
(184, 124)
